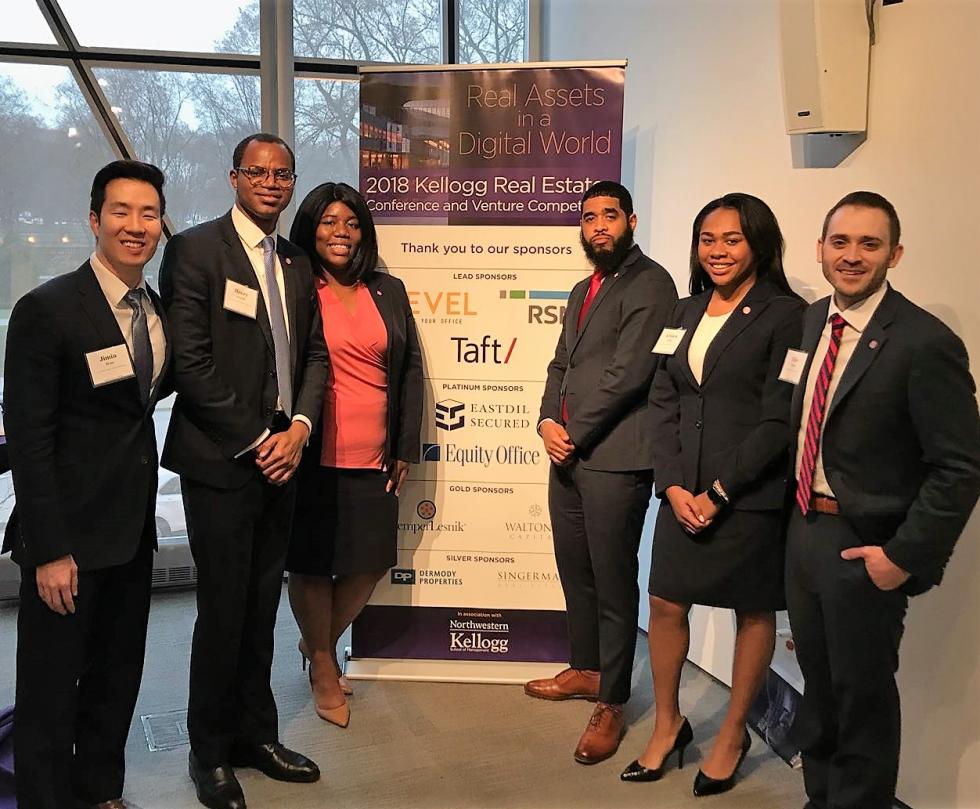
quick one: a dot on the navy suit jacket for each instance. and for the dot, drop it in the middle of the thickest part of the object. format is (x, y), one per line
(83, 458)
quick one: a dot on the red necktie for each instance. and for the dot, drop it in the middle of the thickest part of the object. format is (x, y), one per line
(818, 407)
(594, 285)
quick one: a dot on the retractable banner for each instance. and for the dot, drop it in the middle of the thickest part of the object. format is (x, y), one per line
(474, 178)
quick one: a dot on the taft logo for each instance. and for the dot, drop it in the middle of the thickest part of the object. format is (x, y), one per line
(449, 414)
(401, 575)
(486, 350)
(431, 452)
(426, 509)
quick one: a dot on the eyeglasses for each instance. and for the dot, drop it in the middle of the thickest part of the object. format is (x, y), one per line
(258, 175)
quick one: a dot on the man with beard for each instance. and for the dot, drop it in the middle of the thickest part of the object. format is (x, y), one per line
(594, 426)
(887, 470)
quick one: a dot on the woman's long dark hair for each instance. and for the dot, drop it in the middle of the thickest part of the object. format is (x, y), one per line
(761, 231)
(303, 231)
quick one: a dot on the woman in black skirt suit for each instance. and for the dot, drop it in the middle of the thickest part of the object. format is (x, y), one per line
(345, 526)
(721, 427)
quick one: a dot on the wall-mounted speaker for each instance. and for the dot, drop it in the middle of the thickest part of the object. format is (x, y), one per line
(825, 58)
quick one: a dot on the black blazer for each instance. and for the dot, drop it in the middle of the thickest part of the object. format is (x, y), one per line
(84, 459)
(901, 437)
(604, 370)
(734, 426)
(224, 363)
(404, 391)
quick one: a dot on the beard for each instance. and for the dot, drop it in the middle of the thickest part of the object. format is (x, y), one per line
(608, 260)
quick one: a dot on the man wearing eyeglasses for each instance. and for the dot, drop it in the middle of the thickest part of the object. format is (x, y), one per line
(250, 365)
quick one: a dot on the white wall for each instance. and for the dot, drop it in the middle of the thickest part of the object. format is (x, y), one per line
(703, 117)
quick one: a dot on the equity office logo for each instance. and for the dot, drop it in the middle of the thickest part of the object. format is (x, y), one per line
(485, 350)
(449, 415)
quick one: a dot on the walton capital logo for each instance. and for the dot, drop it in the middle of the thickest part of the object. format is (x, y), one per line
(450, 415)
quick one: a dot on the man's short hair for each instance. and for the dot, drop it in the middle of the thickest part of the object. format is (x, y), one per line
(867, 199)
(125, 170)
(261, 137)
(609, 188)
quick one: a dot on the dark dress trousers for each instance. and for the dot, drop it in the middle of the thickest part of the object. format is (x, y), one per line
(599, 499)
(363, 526)
(237, 523)
(901, 451)
(84, 464)
(732, 427)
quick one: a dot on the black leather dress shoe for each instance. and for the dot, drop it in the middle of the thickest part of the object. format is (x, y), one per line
(276, 761)
(217, 788)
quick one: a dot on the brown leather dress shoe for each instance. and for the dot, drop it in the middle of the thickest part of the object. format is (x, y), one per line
(567, 684)
(602, 734)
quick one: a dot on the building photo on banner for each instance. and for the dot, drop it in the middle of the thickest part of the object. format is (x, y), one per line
(474, 178)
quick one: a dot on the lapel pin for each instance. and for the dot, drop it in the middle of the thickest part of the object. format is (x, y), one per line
(378, 293)
(289, 260)
(746, 310)
(873, 344)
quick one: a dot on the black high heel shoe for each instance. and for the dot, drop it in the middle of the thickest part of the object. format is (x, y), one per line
(706, 785)
(637, 772)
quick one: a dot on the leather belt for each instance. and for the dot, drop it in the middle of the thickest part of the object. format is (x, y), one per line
(824, 505)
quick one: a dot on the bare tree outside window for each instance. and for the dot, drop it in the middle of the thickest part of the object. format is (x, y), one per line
(492, 31)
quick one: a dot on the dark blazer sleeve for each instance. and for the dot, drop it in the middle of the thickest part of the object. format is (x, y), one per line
(411, 397)
(768, 442)
(309, 400)
(626, 379)
(943, 408)
(32, 393)
(665, 420)
(551, 399)
(186, 294)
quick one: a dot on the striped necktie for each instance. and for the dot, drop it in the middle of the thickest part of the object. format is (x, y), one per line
(818, 407)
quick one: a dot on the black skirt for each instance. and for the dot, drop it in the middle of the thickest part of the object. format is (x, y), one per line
(736, 562)
(345, 522)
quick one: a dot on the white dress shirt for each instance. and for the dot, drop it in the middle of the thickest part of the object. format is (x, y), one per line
(251, 236)
(707, 330)
(115, 291)
(856, 319)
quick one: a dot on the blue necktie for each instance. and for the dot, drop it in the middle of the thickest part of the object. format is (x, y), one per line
(142, 350)
(277, 321)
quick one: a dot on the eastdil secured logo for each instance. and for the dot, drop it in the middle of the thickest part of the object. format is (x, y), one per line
(484, 350)
(449, 414)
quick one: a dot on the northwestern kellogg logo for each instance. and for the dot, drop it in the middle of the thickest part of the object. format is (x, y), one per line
(489, 637)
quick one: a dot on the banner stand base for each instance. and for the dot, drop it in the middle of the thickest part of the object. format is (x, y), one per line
(449, 671)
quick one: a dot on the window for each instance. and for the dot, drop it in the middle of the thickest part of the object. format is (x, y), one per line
(492, 31)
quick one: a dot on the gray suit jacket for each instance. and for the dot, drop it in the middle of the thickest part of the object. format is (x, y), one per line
(605, 369)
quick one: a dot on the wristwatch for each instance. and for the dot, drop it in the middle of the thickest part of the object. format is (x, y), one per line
(716, 494)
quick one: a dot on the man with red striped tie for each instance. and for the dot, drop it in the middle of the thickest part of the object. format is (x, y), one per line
(887, 473)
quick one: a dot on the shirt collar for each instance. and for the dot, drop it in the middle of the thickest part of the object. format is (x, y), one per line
(250, 233)
(112, 287)
(859, 315)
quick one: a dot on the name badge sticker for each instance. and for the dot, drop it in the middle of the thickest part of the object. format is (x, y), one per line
(793, 366)
(109, 365)
(668, 341)
(240, 299)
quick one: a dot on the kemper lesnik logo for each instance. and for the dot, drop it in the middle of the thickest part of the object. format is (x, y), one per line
(426, 509)
(449, 414)
(469, 635)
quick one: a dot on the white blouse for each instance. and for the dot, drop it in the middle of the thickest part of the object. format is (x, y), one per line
(706, 331)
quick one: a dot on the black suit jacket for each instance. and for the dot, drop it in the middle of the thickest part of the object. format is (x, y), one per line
(734, 426)
(404, 390)
(604, 370)
(84, 459)
(224, 363)
(901, 437)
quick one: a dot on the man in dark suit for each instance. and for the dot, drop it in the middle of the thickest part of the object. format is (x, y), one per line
(888, 470)
(86, 362)
(249, 364)
(594, 426)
